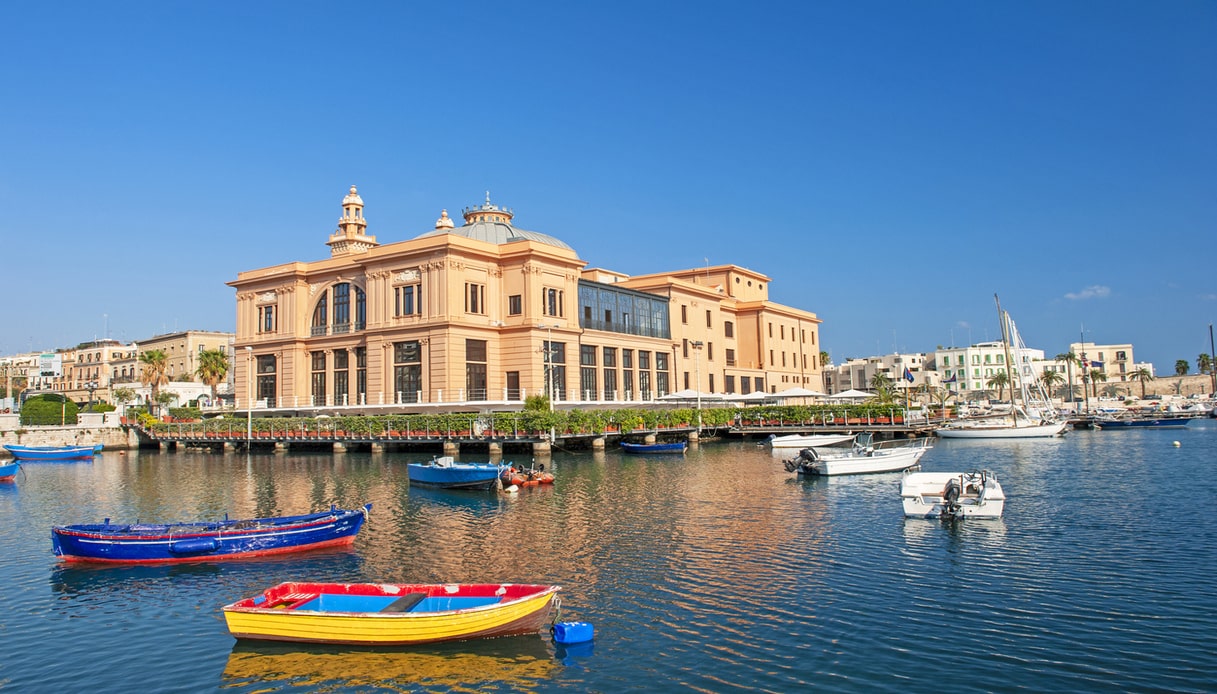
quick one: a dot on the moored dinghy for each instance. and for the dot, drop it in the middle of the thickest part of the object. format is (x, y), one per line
(952, 495)
(52, 453)
(673, 447)
(206, 540)
(9, 472)
(445, 473)
(863, 457)
(391, 614)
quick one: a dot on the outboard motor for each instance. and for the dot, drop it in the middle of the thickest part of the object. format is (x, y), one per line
(951, 509)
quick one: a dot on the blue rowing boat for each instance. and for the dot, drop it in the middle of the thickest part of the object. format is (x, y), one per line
(8, 472)
(51, 453)
(143, 543)
(445, 473)
(1141, 422)
(677, 447)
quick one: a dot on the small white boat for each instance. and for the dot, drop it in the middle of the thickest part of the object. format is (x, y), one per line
(863, 457)
(1001, 430)
(808, 440)
(952, 495)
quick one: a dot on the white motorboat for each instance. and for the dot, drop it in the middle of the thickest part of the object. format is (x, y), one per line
(863, 457)
(1001, 430)
(808, 440)
(952, 495)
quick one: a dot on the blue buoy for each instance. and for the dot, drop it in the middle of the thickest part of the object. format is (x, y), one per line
(573, 632)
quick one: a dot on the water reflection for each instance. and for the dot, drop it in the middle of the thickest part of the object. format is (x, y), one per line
(517, 664)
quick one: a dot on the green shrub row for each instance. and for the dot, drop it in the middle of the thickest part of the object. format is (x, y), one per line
(530, 422)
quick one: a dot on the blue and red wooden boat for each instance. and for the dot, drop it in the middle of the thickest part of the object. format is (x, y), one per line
(446, 473)
(8, 472)
(52, 453)
(143, 543)
(677, 447)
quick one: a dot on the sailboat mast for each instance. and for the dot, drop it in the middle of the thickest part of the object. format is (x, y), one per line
(1005, 343)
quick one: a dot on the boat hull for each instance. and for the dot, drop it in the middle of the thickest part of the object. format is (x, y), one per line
(1003, 432)
(861, 463)
(454, 475)
(678, 447)
(808, 440)
(195, 542)
(356, 614)
(1166, 423)
(923, 495)
(9, 472)
(51, 453)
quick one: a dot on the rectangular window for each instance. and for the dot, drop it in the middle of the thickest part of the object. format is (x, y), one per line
(684, 348)
(684, 314)
(730, 359)
(644, 360)
(728, 384)
(551, 301)
(745, 385)
(709, 321)
(407, 371)
(266, 379)
(408, 300)
(610, 383)
(728, 329)
(709, 351)
(711, 382)
(318, 390)
(661, 373)
(475, 298)
(610, 356)
(515, 305)
(266, 319)
(475, 370)
(627, 358)
(771, 330)
(782, 329)
(361, 375)
(555, 378)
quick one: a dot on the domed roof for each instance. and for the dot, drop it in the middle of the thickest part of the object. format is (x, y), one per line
(353, 197)
(492, 224)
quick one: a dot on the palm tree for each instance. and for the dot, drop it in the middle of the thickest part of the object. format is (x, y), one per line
(154, 373)
(213, 368)
(1050, 379)
(1001, 379)
(1143, 375)
(1096, 375)
(1070, 360)
(1182, 367)
(1204, 364)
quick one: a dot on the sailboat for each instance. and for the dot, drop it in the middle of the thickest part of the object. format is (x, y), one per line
(1032, 418)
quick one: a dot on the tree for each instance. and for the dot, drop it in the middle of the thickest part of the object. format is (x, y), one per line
(50, 409)
(1096, 376)
(1204, 364)
(1050, 379)
(825, 359)
(1182, 367)
(882, 385)
(1143, 375)
(1071, 360)
(154, 373)
(1001, 379)
(213, 368)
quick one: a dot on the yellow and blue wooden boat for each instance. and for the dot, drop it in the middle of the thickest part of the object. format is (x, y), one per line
(384, 614)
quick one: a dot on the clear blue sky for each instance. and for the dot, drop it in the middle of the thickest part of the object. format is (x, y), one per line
(890, 165)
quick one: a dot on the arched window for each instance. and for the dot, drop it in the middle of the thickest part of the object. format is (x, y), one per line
(320, 315)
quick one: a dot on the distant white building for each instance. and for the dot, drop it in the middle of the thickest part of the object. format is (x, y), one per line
(968, 370)
(856, 374)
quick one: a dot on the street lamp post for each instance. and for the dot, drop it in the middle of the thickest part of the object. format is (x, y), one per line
(697, 345)
(249, 391)
(91, 386)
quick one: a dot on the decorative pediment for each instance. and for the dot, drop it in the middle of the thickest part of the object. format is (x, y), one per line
(406, 276)
(268, 297)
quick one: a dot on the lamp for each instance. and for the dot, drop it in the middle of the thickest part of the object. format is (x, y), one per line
(697, 345)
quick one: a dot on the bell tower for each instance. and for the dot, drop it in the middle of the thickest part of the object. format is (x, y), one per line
(351, 236)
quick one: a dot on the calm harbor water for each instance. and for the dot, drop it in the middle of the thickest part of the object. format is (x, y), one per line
(718, 571)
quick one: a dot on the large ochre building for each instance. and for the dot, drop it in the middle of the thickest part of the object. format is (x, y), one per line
(487, 313)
